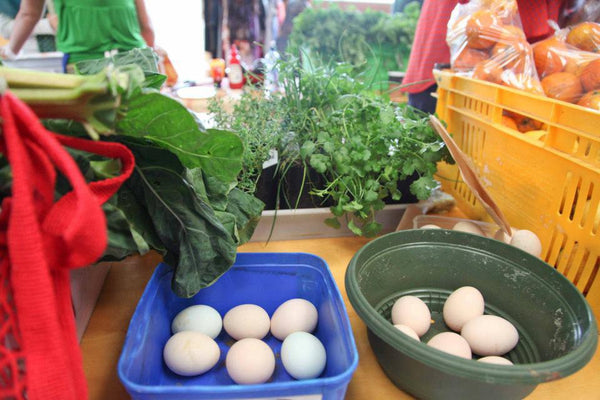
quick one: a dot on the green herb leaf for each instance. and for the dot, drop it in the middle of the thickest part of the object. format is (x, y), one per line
(354, 228)
(333, 222)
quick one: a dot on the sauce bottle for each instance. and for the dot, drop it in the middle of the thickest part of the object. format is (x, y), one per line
(235, 73)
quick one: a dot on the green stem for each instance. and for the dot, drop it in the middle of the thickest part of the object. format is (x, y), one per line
(16, 77)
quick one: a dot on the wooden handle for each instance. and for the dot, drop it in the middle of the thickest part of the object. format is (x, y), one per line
(469, 175)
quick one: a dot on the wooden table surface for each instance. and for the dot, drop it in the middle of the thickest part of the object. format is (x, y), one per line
(102, 342)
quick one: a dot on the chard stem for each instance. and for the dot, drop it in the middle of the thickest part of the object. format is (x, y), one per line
(16, 77)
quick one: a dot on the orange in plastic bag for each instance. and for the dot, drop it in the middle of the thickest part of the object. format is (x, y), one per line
(563, 86)
(567, 72)
(487, 41)
(590, 100)
(488, 70)
(468, 58)
(549, 56)
(585, 36)
(482, 29)
(590, 76)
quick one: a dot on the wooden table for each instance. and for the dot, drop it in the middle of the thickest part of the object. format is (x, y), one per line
(104, 337)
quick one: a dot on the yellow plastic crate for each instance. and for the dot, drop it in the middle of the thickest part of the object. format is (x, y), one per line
(549, 186)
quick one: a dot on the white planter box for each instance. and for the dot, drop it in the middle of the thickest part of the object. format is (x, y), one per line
(308, 223)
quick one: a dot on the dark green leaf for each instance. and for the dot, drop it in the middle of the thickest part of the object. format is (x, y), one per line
(189, 229)
(123, 240)
(423, 186)
(209, 188)
(170, 125)
(371, 229)
(138, 218)
(354, 228)
(154, 81)
(247, 210)
(145, 58)
(333, 222)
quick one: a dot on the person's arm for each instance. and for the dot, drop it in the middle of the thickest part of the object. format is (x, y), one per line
(28, 16)
(145, 23)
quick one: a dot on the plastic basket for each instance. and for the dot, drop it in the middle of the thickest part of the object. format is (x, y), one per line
(265, 279)
(549, 186)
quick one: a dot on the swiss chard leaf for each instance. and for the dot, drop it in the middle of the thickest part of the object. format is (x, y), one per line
(169, 124)
(145, 58)
(129, 232)
(198, 245)
(200, 242)
(123, 240)
(138, 218)
(247, 210)
(209, 188)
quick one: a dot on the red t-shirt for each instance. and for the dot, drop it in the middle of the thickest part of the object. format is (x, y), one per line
(430, 47)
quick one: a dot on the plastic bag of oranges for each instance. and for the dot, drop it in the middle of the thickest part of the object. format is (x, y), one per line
(487, 41)
(568, 72)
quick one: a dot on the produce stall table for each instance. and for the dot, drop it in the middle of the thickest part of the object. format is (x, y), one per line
(102, 342)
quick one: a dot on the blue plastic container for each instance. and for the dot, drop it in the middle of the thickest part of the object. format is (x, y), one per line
(265, 279)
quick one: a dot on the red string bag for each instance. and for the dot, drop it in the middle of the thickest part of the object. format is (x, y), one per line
(41, 239)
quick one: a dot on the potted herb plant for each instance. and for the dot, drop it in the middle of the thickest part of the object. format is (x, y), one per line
(360, 145)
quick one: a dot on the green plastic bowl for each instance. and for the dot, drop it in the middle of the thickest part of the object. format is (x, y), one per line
(557, 329)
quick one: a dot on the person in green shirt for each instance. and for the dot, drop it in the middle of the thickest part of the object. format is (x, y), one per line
(87, 29)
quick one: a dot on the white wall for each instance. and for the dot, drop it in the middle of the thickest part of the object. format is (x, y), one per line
(179, 29)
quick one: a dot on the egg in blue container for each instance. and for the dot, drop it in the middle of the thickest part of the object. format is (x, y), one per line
(269, 281)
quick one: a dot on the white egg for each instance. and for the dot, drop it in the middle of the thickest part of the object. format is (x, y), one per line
(527, 241)
(199, 318)
(469, 227)
(407, 330)
(451, 343)
(250, 361)
(413, 312)
(247, 321)
(430, 226)
(190, 353)
(462, 305)
(303, 355)
(490, 335)
(292, 316)
(496, 360)
(503, 236)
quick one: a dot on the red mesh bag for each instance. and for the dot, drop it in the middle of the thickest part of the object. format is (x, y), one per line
(41, 239)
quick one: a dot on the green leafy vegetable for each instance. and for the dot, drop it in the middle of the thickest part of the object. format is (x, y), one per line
(182, 199)
(167, 123)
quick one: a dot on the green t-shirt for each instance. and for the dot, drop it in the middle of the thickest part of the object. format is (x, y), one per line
(89, 28)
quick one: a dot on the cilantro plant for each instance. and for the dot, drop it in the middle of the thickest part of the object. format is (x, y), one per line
(361, 143)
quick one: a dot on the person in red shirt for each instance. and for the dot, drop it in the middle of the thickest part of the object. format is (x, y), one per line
(430, 47)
